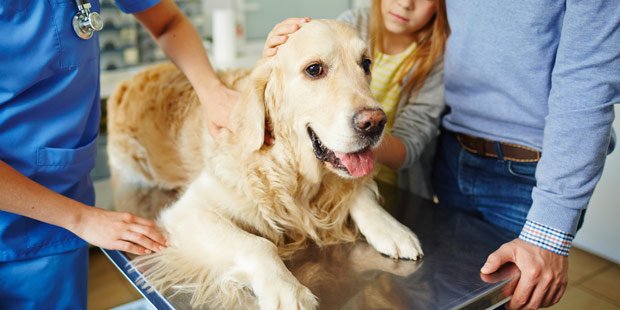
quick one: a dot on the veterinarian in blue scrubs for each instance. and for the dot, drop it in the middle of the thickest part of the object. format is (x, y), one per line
(49, 120)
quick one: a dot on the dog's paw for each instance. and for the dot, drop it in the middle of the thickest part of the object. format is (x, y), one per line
(364, 257)
(282, 295)
(393, 239)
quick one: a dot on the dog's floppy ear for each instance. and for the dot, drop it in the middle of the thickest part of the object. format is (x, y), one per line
(248, 117)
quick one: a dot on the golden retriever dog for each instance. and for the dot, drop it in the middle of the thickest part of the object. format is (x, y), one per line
(235, 207)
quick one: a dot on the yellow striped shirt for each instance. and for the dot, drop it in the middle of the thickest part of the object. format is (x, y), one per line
(385, 87)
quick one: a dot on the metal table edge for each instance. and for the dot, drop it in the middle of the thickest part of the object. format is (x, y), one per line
(123, 264)
(487, 300)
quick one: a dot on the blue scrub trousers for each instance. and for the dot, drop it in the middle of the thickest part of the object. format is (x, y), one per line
(58, 281)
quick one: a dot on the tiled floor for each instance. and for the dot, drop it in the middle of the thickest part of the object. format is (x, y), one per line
(107, 286)
(594, 283)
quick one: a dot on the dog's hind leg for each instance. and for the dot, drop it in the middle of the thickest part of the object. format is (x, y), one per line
(140, 198)
(133, 180)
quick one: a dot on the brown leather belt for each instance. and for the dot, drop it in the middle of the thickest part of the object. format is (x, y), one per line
(486, 147)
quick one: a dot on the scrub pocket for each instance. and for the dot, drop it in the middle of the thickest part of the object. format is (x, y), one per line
(62, 170)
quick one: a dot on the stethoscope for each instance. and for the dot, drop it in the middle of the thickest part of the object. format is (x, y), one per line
(85, 22)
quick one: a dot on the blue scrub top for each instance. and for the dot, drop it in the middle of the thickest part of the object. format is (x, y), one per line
(49, 113)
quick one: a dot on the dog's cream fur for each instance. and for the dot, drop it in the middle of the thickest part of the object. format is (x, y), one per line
(239, 205)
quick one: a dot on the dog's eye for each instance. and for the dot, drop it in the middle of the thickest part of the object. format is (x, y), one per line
(314, 71)
(366, 65)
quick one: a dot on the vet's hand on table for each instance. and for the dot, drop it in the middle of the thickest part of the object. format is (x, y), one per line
(119, 231)
(217, 102)
(279, 34)
(544, 275)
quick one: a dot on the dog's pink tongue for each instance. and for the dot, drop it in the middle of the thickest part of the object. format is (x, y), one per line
(359, 164)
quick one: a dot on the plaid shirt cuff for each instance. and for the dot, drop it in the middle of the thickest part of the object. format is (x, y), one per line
(546, 237)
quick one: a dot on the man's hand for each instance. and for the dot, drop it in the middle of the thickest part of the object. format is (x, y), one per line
(544, 275)
(279, 34)
(217, 102)
(119, 231)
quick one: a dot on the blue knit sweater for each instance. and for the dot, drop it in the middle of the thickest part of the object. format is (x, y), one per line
(544, 74)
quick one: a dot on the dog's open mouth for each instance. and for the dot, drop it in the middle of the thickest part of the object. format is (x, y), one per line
(357, 164)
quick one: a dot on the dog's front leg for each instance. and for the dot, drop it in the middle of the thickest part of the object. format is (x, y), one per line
(364, 257)
(381, 230)
(200, 231)
(274, 285)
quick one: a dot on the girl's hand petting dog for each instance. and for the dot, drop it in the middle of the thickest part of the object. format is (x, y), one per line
(279, 34)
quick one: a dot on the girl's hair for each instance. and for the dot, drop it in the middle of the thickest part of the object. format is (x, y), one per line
(430, 40)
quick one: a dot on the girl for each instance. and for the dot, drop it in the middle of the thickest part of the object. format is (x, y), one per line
(407, 39)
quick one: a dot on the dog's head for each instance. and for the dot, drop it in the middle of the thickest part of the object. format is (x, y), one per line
(315, 94)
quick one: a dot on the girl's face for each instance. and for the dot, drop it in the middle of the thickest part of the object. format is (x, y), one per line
(406, 16)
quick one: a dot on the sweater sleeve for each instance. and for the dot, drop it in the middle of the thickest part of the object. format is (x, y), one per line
(577, 133)
(417, 123)
(347, 17)
(358, 18)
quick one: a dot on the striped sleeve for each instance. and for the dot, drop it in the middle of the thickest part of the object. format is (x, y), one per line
(546, 237)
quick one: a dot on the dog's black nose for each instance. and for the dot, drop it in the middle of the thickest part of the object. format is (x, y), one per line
(369, 121)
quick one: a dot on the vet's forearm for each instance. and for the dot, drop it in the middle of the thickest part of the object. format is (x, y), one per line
(20, 195)
(178, 38)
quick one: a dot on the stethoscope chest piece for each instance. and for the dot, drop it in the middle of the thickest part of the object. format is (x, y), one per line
(85, 22)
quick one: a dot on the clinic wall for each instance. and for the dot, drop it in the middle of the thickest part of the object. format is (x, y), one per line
(259, 16)
(600, 233)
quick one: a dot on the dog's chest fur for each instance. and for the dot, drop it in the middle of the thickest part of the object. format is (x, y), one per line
(282, 203)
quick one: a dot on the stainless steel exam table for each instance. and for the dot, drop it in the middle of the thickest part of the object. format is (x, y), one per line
(355, 276)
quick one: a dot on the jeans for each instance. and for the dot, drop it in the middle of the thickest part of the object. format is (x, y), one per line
(496, 190)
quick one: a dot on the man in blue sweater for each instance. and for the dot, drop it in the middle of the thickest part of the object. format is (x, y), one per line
(530, 87)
